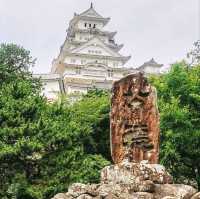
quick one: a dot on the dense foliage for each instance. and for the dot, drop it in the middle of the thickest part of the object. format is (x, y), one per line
(179, 104)
(45, 147)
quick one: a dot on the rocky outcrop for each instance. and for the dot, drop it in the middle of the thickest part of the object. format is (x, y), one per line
(134, 120)
(129, 173)
(131, 181)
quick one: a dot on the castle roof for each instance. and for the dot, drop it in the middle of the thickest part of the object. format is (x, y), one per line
(90, 14)
(151, 62)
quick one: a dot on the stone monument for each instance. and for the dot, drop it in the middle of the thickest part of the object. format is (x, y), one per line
(134, 120)
(136, 173)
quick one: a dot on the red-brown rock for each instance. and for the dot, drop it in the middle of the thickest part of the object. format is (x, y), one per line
(134, 120)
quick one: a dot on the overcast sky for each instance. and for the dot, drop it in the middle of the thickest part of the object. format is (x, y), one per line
(163, 29)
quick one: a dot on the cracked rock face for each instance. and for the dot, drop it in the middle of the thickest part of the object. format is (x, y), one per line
(128, 173)
(134, 120)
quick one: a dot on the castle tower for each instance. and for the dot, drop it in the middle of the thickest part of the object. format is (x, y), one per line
(150, 67)
(89, 56)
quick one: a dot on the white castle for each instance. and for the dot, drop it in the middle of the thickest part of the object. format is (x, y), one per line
(89, 58)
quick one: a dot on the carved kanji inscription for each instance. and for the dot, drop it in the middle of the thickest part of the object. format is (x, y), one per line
(134, 120)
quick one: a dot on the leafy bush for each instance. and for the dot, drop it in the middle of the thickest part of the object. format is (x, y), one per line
(179, 104)
(46, 147)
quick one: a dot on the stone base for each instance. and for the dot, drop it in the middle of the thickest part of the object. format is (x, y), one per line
(131, 181)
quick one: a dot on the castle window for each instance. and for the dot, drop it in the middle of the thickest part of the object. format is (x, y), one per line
(110, 73)
(90, 25)
(94, 26)
(85, 24)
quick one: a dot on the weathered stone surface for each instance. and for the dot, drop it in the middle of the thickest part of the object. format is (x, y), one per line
(114, 189)
(60, 196)
(141, 195)
(129, 173)
(134, 120)
(85, 196)
(196, 196)
(77, 189)
(179, 191)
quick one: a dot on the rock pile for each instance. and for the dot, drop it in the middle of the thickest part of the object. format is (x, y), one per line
(129, 180)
